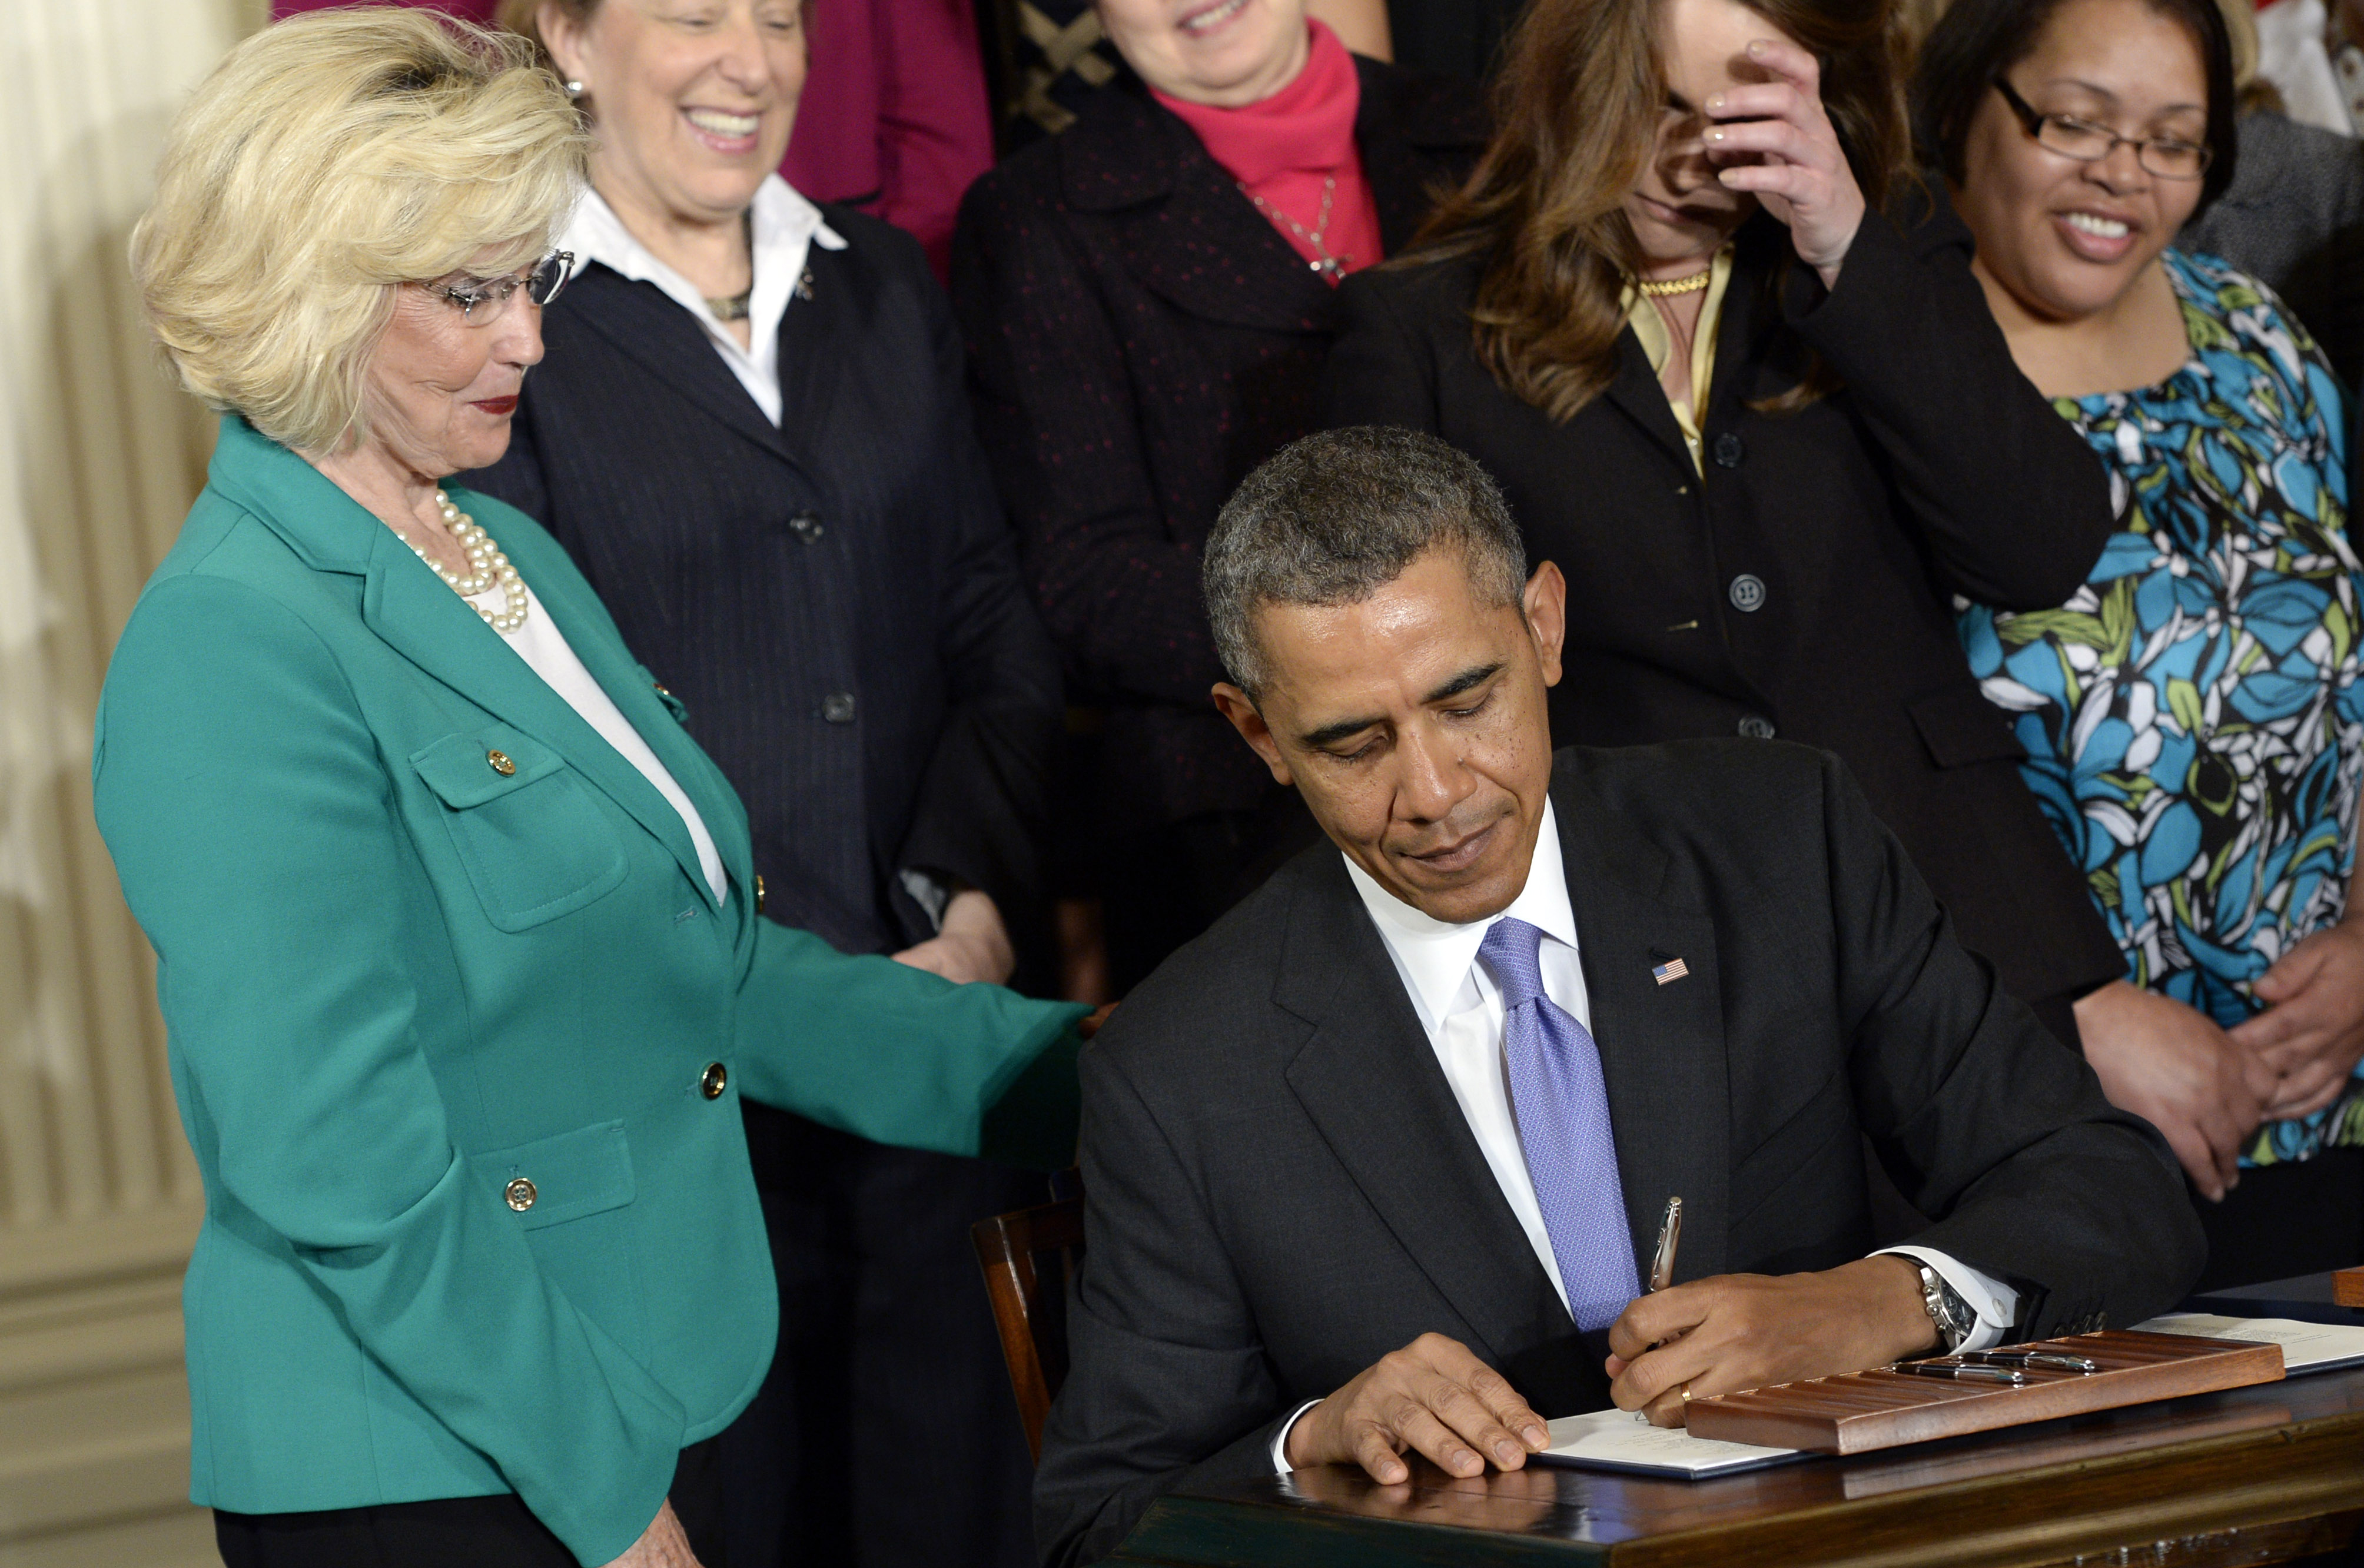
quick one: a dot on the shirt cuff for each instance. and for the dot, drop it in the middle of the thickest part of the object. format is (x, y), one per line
(932, 896)
(1280, 1465)
(1996, 1304)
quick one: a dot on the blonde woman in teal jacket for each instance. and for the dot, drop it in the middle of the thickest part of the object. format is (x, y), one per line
(458, 945)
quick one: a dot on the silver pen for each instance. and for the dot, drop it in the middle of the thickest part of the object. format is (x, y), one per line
(1670, 1233)
(2053, 1359)
(1960, 1372)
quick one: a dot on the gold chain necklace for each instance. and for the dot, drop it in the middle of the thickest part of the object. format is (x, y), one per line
(1691, 284)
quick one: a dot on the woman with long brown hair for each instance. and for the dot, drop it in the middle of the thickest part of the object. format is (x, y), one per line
(1726, 357)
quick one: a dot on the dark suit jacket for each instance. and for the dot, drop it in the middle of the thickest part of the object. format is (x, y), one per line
(1139, 336)
(1280, 1187)
(765, 573)
(1846, 526)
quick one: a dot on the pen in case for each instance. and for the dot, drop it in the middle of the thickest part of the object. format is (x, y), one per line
(1960, 1372)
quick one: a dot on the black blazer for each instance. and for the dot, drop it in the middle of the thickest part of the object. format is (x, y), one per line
(836, 599)
(1139, 337)
(1280, 1187)
(1803, 587)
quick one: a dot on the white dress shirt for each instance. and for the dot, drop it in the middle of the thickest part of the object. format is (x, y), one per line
(783, 229)
(548, 655)
(1459, 1005)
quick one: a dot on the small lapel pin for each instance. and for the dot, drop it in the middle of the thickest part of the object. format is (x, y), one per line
(1673, 969)
(804, 284)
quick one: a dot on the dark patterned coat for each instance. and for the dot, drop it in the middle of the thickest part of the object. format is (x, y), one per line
(1139, 336)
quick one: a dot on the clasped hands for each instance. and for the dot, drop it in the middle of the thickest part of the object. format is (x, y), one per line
(2207, 1089)
(1712, 1336)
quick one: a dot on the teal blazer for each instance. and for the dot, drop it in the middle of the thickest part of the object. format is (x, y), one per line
(459, 1046)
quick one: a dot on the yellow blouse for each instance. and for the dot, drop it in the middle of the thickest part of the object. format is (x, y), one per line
(1641, 315)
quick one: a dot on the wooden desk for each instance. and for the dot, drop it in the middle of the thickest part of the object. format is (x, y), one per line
(2250, 1476)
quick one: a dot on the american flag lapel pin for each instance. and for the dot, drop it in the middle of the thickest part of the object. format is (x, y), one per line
(1669, 968)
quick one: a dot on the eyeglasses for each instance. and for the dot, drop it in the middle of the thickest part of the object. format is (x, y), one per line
(542, 283)
(2168, 157)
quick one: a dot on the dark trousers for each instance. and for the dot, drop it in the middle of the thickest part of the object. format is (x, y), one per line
(2286, 1220)
(455, 1532)
(886, 1434)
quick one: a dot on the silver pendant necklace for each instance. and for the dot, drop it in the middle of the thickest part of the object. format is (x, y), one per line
(1331, 267)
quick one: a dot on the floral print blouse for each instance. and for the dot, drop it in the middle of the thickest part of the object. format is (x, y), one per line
(2192, 717)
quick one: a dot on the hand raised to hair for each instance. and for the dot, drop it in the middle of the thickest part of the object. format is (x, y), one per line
(1774, 139)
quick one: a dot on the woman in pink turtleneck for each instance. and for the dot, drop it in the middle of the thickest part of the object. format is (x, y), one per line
(1293, 152)
(1147, 300)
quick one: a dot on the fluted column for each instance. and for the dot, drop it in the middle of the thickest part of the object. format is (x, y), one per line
(100, 456)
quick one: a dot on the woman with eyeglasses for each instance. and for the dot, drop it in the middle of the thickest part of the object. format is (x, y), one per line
(456, 926)
(2192, 716)
(753, 435)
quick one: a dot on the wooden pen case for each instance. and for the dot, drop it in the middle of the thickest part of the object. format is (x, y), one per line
(1857, 1412)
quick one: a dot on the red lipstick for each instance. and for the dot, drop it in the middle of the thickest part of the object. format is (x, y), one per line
(498, 407)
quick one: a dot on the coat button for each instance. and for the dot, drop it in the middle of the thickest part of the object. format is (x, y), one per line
(838, 707)
(520, 1195)
(1756, 728)
(1729, 450)
(1747, 593)
(807, 527)
(759, 893)
(714, 1080)
(501, 764)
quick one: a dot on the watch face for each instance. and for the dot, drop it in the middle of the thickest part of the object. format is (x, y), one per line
(1946, 1308)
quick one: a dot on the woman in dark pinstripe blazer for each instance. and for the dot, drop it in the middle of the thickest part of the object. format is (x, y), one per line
(750, 431)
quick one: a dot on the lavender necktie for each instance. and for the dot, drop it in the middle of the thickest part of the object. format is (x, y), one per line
(1562, 1105)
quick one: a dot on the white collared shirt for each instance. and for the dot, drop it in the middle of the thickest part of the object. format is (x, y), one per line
(783, 229)
(548, 655)
(1461, 1007)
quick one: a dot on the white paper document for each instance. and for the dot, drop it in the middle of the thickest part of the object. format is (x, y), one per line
(1621, 1440)
(2306, 1347)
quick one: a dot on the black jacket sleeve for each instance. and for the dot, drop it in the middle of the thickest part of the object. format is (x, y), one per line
(1055, 405)
(1379, 371)
(983, 811)
(2013, 506)
(1983, 1119)
(1182, 1389)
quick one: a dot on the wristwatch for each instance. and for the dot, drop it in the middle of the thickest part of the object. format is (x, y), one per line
(1952, 1316)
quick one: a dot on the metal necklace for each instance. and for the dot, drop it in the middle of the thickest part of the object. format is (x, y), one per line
(1661, 290)
(1331, 267)
(487, 568)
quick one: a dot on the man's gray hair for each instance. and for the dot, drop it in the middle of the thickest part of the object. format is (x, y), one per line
(1332, 518)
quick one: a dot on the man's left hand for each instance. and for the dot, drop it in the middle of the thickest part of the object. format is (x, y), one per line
(1736, 1331)
(2312, 1032)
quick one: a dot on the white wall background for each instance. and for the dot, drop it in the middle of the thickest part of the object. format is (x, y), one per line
(99, 458)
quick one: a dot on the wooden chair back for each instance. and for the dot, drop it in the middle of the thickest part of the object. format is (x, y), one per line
(1028, 1255)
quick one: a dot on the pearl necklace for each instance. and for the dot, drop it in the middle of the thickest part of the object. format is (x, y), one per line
(491, 569)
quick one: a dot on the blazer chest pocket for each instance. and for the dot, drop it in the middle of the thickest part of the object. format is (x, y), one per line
(1961, 729)
(535, 843)
(571, 1176)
